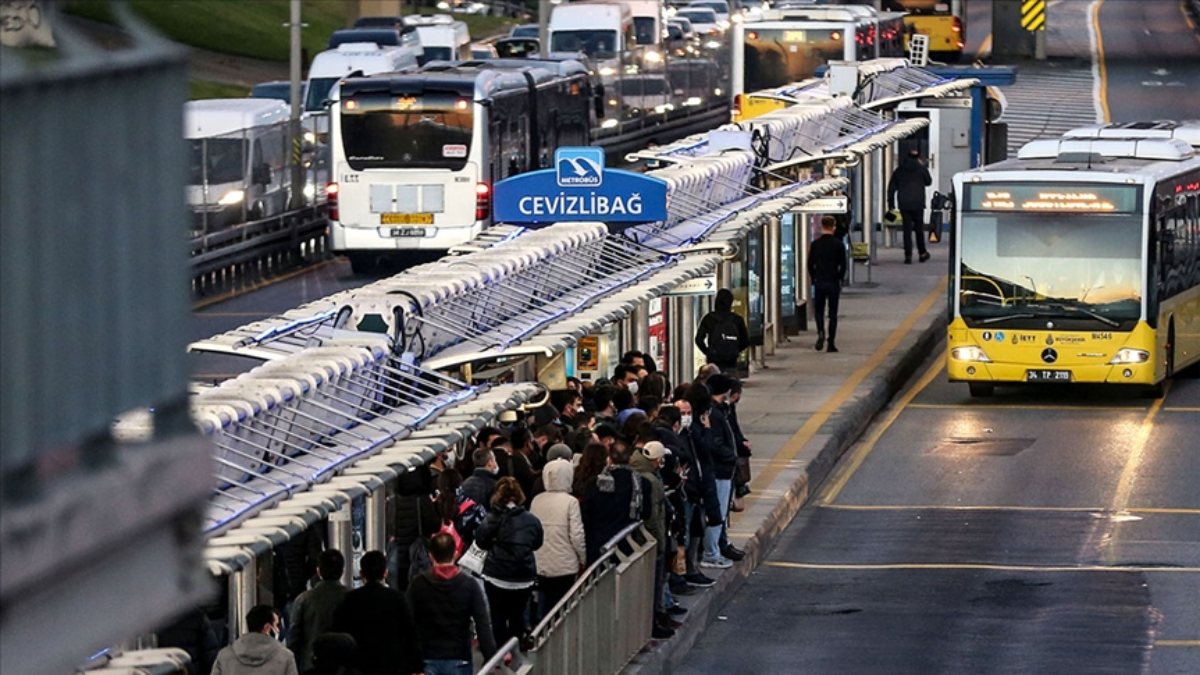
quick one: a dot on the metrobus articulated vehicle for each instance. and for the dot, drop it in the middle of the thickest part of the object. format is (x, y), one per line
(1079, 261)
(415, 154)
(789, 44)
(941, 20)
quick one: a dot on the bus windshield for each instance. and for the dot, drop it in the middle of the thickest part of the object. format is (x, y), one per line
(429, 130)
(216, 160)
(1033, 265)
(778, 56)
(643, 30)
(318, 91)
(598, 44)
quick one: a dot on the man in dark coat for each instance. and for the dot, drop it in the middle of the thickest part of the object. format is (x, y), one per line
(909, 181)
(826, 267)
(480, 485)
(312, 613)
(448, 601)
(722, 335)
(381, 622)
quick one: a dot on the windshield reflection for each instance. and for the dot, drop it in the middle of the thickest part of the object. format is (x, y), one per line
(1025, 266)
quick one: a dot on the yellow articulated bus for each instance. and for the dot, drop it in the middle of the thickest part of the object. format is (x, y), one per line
(942, 21)
(1079, 261)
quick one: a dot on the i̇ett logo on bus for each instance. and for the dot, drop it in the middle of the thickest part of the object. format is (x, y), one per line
(577, 167)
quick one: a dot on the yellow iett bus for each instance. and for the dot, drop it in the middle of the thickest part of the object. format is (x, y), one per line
(941, 20)
(1079, 261)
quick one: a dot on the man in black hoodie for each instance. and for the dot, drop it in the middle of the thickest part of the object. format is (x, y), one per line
(447, 602)
(380, 620)
(826, 267)
(909, 181)
(722, 335)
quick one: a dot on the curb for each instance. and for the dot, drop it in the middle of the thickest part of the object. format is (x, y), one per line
(662, 657)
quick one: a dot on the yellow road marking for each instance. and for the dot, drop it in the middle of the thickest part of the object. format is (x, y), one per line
(996, 507)
(859, 454)
(1100, 63)
(985, 47)
(1129, 473)
(1047, 407)
(870, 567)
(810, 428)
(1177, 643)
(229, 295)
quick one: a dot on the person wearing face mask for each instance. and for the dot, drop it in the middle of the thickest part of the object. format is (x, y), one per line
(480, 485)
(258, 652)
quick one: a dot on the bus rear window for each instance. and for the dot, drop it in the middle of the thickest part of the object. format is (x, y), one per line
(776, 56)
(428, 130)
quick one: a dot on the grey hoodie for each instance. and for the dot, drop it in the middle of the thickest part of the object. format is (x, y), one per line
(255, 654)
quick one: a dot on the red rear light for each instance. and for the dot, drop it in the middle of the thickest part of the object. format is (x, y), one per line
(483, 201)
(331, 200)
(737, 106)
(956, 26)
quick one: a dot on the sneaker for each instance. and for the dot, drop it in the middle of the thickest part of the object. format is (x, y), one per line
(666, 621)
(683, 589)
(820, 342)
(721, 563)
(923, 257)
(699, 579)
(733, 553)
(677, 610)
(662, 633)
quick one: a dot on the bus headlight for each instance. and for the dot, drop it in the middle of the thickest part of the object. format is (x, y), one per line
(608, 71)
(1130, 355)
(971, 353)
(232, 197)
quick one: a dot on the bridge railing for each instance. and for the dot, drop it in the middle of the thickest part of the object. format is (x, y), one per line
(601, 623)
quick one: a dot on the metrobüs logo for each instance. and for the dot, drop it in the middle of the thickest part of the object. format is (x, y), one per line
(579, 167)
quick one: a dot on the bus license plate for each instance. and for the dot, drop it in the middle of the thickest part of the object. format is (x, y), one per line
(1047, 376)
(406, 219)
(407, 232)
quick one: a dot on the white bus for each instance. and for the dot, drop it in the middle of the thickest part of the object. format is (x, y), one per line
(789, 44)
(415, 154)
(442, 38)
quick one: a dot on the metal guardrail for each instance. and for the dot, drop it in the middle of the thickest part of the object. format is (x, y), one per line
(601, 623)
(257, 249)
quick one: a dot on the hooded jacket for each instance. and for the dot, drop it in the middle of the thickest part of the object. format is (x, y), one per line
(255, 654)
(723, 311)
(446, 607)
(656, 523)
(563, 550)
(610, 504)
(908, 182)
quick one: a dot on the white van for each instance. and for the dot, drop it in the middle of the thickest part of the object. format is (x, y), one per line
(366, 58)
(601, 30)
(237, 160)
(442, 38)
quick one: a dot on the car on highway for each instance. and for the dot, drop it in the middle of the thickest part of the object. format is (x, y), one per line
(526, 30)
(517, 47)
(482, 51)
(384, 37)
(704, 20)
(280, 90)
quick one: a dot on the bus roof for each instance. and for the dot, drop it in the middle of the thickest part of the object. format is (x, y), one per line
(1101, 160)
(220, 116)
(1187, 130)
(477, 79)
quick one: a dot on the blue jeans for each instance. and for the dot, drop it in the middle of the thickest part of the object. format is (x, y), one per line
(448, 667)
(712, 533)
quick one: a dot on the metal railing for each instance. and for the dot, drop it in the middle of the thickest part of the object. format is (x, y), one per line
(601, 623)
(258, 249)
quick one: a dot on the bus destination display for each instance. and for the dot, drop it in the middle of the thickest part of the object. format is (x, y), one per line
(1053, 198)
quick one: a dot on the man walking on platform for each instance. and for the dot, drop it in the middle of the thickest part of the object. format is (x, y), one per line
(826, 267)
(909, 181)
(381, 622)
(312, 613)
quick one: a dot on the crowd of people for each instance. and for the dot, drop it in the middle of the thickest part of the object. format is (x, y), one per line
(485, 543)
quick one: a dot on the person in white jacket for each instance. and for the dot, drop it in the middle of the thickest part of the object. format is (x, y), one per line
(562, 554)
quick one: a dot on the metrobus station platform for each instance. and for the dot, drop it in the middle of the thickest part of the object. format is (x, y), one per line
(807, 408)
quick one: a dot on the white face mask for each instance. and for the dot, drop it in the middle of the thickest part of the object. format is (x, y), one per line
(633, 387)
(685, 420)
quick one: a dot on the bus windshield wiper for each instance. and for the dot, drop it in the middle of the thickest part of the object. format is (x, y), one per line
(1075, 308)
(1007, 317)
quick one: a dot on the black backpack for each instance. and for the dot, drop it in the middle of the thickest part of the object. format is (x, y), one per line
(723, 338)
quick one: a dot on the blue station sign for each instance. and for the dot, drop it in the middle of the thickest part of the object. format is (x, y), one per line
(579, 188)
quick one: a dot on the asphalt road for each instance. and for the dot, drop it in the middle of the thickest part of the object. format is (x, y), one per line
(1043, 531)
(1151, 56)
